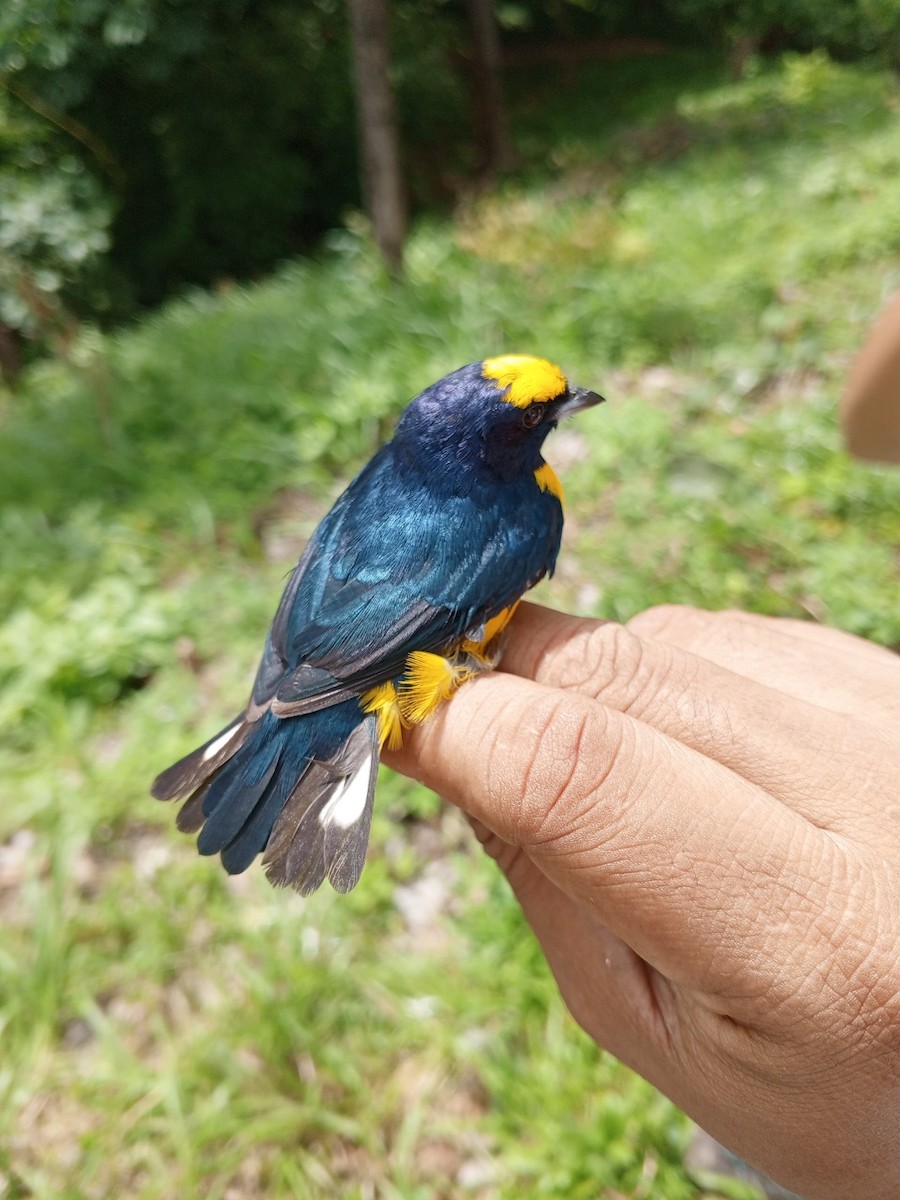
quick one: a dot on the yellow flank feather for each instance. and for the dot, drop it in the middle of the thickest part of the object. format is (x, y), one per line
(384, 701)
(548, 481)
(527, 380)
(429, 679)
(498, 623)
(492, 628)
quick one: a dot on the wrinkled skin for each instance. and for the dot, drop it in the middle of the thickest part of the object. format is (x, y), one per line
(700, 816)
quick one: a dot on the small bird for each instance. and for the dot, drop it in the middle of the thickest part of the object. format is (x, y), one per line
(401, 595)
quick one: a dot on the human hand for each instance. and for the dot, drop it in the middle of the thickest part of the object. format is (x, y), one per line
(870, 405)
(700, 816)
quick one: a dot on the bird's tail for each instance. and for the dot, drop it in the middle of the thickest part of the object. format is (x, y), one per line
(298, 788)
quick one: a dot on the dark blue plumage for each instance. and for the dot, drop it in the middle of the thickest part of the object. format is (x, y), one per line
(440, 534)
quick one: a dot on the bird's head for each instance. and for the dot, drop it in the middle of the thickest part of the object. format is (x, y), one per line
(491, 417)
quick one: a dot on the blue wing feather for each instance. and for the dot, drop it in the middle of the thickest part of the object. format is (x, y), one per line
(399, 565)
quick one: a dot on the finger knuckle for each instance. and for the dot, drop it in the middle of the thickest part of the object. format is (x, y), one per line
(850, 989)
(604, 658)
(662, 618)
(634, 676)
(866, 977)
(569, 756)
(614, 656)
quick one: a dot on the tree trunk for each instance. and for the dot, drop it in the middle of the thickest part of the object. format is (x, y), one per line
(486, 83)
(378, 133)
(10, 354)
(740, 51)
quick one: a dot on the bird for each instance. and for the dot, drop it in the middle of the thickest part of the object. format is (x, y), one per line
(401, 595)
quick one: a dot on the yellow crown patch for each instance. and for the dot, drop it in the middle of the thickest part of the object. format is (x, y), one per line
(527, 380)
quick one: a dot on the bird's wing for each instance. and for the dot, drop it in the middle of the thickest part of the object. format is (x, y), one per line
(386, 574)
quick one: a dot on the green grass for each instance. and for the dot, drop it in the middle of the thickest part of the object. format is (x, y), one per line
(709, 256)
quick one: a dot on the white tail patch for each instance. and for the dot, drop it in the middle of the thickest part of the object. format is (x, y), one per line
(348, 802)
(222, 740)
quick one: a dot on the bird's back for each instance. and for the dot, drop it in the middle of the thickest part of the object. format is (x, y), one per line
(401, 544)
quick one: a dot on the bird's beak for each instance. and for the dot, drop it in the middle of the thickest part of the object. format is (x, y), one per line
(578, 399)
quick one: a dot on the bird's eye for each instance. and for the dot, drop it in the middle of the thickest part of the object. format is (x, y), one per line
(533, 415)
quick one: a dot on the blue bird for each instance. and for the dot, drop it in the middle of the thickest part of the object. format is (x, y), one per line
(400, 596)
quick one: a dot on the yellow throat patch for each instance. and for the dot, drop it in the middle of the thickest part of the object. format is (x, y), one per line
(548, 481)
(526, 380)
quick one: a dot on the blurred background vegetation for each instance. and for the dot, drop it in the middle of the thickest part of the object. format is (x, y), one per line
(200, 346)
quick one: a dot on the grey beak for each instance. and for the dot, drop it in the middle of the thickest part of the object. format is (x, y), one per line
(578, 399)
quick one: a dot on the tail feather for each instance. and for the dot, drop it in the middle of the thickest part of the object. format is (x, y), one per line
(234, 794)
(347, 817)
(190, 816)
(294, 854)
(299, 788)
(303, 866)
(252, 837)
(185, 776)
(324, 828)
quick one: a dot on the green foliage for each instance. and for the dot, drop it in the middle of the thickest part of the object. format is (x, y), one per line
(214, 139)
(711, 265)
(231, 141)
(79, 635)
(854, 28)
(54, 223)
(50, 33)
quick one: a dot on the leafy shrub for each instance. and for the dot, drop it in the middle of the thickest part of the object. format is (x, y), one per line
(231, 141)
(83, 624)
(54, 221)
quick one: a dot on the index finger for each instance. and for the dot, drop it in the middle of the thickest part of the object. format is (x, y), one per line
(833, 669)
(790, 747)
